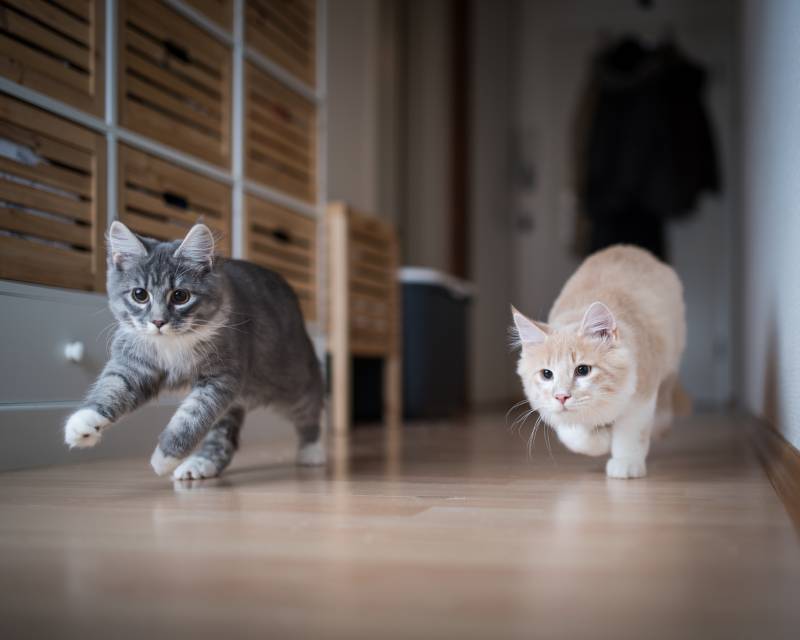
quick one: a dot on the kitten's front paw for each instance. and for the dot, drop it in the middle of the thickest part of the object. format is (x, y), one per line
(195, 468)
(311, 454)
(625, 468)
(84, 428)
(163, 464)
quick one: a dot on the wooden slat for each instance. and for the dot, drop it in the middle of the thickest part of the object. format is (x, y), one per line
(145, 202)
(66, 37)
(285, 33)
(33, 262)
(143, 67)
(54, 176)
(159, 175)
(280, 151)
(293, 252)
(295, 258)
(165, 24)
(182, 103)
(80, 8)
(25, 258)
(37, 120)
(171, 132)
(142, 173)
(165, 101)
(220, 11)
(54, 18)
(47, 228)
(47, 147)
(33, 198)
(161, 230)
(25, 56)
(262, 253)
(45, 38)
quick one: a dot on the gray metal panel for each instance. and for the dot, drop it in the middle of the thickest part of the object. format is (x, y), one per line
(33, 437)
(38, 323)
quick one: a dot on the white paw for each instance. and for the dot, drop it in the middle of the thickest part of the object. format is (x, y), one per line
(195, 468)
(625, 468)
(162, 464)
(84, 428)
(312, 454)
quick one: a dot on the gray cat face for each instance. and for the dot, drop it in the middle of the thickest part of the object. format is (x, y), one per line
(163, 289)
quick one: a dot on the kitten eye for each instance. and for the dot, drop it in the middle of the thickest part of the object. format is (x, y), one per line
(140, 295)
(547, 374)
(582, 370)
(180, 296)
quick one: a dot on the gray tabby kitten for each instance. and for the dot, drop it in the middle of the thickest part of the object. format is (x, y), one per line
(229, 329)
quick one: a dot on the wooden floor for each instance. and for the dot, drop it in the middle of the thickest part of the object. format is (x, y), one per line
(452, 533)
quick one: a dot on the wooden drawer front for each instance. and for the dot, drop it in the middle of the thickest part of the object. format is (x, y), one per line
(373, 285)
(160, 200)
(281, 136)
(174, 81)
(52, 199)
(56, 47)
(35, 368)
(285, 32)
(220, 11)
(284, 241)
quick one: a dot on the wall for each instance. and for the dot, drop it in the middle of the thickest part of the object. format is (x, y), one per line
(353, 103)
(770, 198)
(427, 102)
(492, 377)
(365, 105)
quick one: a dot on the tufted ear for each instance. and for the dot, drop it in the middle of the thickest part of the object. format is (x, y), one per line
(197, 246)
(599, 322)
(529, 332)
(123, 245)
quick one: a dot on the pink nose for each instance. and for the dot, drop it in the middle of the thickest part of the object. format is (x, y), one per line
(158, 323)
(563, 397)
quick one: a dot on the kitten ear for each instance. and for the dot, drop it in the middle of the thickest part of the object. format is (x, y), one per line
(123, 245)
(529, 332)
(598, 322)
(197, 246)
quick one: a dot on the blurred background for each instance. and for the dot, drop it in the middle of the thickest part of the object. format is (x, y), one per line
(475, 127)
(489, 145)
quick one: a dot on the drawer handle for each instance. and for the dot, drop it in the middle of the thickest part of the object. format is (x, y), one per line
(177, 51)
(282, 236)
(174, 200)
(73, 352)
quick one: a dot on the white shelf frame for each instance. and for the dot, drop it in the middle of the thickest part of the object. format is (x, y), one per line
(234, 175)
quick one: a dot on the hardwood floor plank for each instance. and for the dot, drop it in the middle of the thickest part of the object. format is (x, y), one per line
(454, 532)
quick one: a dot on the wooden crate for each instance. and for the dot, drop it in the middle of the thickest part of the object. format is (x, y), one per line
(363, 305)
(160, 200)
(284, 241)
(174, 81)
(285, 32)
(220, 11)
(56, 47)
(281, 136)
(52, 199)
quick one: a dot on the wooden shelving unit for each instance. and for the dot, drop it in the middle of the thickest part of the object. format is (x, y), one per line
(161, 113)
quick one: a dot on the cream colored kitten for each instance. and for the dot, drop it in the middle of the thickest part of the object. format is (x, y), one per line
(603, 371)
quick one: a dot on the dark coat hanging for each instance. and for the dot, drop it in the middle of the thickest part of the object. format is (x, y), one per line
(649, 151)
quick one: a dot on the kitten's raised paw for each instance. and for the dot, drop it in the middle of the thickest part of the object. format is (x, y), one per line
(195, 468)
(311, 454)
(625, 468)
(163, 464)
(84, 428)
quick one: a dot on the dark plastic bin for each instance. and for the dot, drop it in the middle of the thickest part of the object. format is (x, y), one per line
(435, 343)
